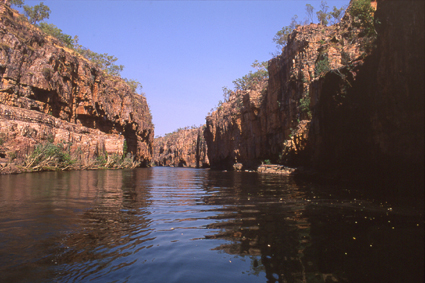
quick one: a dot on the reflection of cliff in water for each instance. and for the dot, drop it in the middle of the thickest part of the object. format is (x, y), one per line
(263, 222)
(117, 222)
(293, 233)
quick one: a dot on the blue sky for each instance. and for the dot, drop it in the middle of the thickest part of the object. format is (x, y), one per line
(183, 52)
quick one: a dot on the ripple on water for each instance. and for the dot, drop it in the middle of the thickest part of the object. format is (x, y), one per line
(187, 225)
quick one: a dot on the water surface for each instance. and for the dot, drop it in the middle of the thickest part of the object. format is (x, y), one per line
(190, 225)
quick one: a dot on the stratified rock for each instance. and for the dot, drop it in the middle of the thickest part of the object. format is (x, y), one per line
(369, 118)
(365, 111)
(254, 125)
(182, 148)
(49, 92)
(235, 132)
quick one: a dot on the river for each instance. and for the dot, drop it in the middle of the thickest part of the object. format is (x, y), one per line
(198, 225)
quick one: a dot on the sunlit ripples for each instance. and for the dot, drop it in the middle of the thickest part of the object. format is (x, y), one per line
(187, 225)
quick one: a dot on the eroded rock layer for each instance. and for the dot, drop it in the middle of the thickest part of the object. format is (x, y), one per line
(365, 106)
(182, 148)
(255, 124)
(369, 118)
(48, 90)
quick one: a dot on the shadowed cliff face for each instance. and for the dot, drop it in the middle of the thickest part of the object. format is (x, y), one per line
(183, 148)
(372, 123)
(264, 120)
(366, 107)
(53, 93)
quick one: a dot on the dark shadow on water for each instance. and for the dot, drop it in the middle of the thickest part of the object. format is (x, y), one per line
(103, 226)
(296, 231)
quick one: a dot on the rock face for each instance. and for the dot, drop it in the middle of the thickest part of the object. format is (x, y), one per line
(235, 132)
(365, 107)
(255, 125)
(183, 148)
(372, 120)
(49, 92)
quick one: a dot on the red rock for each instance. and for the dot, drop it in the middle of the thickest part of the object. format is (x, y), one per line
(182, 148)
(367, 109)
(49, 90)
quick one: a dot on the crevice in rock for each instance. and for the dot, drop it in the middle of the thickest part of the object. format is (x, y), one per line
(50, 98)
(131, 139)
(197, 156)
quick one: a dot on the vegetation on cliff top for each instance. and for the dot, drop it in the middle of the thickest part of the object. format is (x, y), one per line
(332, 50)
(363, 14)
(183, 129)
(253, 79)
(104, 61)
(323, 16)
(37, 13)
(249, 81)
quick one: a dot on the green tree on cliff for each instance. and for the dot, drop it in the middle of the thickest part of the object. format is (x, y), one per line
(309, 10)
(322, 15)
(281, 37)
(251, 79)
(17, 3)
(226, 93)
(37, 13)
(336, 14)
(134, 85)
(103, 61)
(362, 12)
(54, 31)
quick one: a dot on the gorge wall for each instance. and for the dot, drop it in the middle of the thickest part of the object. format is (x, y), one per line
(361, 111)
(256, 124)
(370, 119)
(50, 93)
(183, 148)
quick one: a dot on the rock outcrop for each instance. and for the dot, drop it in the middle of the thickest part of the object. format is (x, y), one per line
(337, 99)
(182, 148)
(48, 92)
(369, 118)
(255, 124)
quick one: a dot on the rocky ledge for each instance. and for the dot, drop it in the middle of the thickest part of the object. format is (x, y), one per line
(275, 169)
(339, 99)
(49, 92)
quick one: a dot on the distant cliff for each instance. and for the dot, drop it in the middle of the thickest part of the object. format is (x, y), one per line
(338, 98)
(182, 148)
(50, 93)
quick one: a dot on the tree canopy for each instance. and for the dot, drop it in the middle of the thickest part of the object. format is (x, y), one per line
(134, 85)
(309, 11)
(103, 61)
(54, 31)
(323, 17)
(362, 11)
(17, 3)
(37, 13)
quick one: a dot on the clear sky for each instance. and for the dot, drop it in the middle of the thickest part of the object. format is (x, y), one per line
(183, 52)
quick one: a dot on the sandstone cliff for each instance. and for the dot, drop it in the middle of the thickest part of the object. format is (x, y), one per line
(267, 115)
(336, 99)
(49, 92)
(182, 148)
(369, 118)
